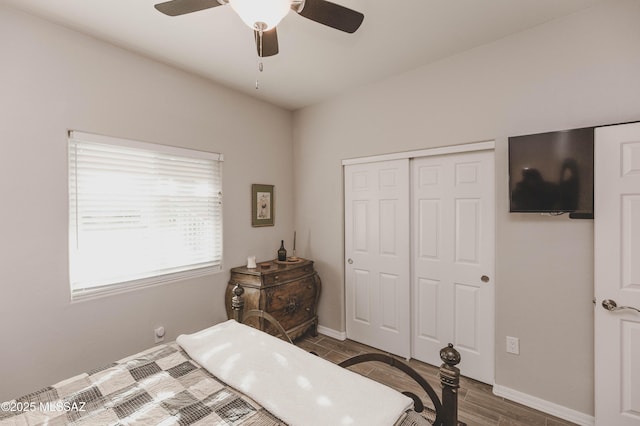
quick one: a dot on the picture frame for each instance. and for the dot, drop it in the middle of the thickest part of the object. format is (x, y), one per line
(262, 205)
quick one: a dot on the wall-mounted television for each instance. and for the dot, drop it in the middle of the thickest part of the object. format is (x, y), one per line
(552, 173)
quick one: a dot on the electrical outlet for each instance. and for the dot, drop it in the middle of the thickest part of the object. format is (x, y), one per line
(513, 345)
(158, 334)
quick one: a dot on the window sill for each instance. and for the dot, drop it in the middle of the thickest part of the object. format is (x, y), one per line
(125, 287)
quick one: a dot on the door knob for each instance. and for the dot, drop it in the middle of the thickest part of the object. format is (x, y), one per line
(484, 279)
(611, 305)
(350, 261)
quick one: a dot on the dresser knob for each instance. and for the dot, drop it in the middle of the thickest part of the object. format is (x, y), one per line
(309, 287)
(307, 309)
(275, 278)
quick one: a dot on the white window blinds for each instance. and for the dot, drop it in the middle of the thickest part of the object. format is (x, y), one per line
(140, 214)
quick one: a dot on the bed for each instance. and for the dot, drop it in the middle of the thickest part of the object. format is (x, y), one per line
(233, 374)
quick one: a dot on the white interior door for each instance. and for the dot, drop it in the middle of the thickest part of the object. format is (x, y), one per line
(377, 281)
(617, 275)
(453, 211)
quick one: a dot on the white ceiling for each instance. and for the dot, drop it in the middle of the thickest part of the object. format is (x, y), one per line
(315, 62)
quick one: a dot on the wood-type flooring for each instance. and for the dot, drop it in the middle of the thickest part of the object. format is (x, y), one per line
(477, 405)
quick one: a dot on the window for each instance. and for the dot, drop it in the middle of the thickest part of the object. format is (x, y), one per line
(140, 214)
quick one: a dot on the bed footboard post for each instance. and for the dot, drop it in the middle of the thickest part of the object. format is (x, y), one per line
(450, 380)
(237, 302)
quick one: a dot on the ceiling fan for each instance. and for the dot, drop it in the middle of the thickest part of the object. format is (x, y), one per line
(263, 16)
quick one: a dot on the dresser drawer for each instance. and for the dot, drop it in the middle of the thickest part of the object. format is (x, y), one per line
(285, 276)
(292, 303)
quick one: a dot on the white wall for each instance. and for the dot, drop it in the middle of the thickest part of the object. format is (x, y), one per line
(579, 71)
(53, 80)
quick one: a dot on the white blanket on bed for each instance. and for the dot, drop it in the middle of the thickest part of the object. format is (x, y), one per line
(299, 388)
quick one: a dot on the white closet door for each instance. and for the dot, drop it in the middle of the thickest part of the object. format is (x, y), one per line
(377, 255)
(453, 237)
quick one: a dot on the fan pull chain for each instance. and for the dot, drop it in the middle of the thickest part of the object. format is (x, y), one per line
(260, 65)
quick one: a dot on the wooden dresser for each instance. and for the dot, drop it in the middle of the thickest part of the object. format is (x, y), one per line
(287, 290)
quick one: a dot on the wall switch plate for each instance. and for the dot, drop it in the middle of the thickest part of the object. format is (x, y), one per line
(513, 345)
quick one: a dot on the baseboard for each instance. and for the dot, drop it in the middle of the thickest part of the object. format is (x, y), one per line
(544, 406)
(339, 335)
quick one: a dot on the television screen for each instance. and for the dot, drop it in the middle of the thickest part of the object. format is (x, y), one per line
(552, 172)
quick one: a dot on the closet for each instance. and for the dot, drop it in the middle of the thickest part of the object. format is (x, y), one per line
(419, 254)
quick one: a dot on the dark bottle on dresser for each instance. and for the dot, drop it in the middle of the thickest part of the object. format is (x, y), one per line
(282, 253)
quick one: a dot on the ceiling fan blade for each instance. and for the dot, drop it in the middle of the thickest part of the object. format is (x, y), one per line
(269, 42)
(181, 7)
(333, 15)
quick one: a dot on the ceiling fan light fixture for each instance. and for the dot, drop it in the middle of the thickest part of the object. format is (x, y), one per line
(261, 14)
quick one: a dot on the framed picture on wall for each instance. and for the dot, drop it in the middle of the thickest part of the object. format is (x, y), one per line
(262, 204)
